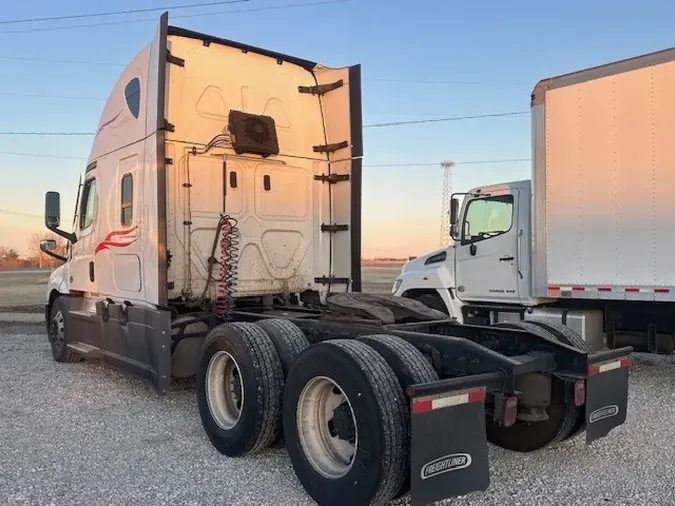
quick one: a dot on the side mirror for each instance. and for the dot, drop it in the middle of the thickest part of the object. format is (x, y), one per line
(454, 210)
(47, 245)
(52, 210)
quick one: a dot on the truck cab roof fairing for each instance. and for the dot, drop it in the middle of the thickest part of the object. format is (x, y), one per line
(208, 39)
(119, 125)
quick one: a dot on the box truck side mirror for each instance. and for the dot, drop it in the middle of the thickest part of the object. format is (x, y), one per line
(454, 211)
(53, 216)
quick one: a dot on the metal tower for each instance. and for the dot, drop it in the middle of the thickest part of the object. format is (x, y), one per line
(446, 165)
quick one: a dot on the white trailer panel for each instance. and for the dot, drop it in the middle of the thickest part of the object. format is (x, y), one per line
(605, 164)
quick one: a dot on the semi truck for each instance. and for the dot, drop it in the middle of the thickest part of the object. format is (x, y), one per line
(588, 241)
(217, 236)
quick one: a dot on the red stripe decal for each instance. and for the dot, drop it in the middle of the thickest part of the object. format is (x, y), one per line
(604, 289)
(661, 290)
(108, 243)
(578, 289)
(633, 290)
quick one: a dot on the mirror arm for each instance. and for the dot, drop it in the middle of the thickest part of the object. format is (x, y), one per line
(66, 235)
(54, 255)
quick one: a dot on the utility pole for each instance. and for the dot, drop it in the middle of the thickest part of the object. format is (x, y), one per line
(446, 165)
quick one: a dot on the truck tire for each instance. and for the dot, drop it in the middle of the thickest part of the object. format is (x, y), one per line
(410, 367)
(58, 332)
(568, 336)
(240, 389)
(432, 300)
(358, 456)
(288, 339)
(526, 436)
(563, 333)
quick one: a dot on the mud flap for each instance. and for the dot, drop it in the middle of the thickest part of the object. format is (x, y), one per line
(449, 452)
(606, 398)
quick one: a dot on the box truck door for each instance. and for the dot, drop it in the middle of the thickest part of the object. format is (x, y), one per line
(486, 255)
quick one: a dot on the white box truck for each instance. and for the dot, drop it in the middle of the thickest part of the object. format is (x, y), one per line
(589, 241)
(217, 235)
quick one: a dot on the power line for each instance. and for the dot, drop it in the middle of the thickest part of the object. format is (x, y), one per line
(435, 164)
(14, 213)
(49, 60)
(383, 165)
(376, 79)
(47, 133)
(373, 125)
(118, 13)
(42, 155)
(444, 81)
(451, 118)
(39, 95)
(184, 16)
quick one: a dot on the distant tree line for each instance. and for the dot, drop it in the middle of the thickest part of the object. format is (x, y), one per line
(36, 259)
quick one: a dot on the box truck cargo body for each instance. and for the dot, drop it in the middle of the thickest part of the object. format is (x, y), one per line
(217, 236)
(590, 238)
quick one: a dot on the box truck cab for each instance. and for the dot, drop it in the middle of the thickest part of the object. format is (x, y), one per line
(588, 241)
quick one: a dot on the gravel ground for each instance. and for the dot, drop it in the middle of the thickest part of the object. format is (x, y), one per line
(74, 434)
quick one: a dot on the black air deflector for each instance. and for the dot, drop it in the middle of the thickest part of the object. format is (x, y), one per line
(253, 134)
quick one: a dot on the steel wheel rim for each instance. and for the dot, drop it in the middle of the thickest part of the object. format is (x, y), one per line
(57, 330)
(318, 405)
(224, 390)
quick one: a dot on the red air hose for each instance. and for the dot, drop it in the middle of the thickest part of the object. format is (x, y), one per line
(227, 282)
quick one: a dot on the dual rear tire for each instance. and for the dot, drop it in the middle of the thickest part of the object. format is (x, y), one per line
(341, 403)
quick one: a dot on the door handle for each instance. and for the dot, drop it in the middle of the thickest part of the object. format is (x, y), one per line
(506, 259)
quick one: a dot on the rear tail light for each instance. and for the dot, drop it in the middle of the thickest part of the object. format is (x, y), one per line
(579, 392)
(510, 411)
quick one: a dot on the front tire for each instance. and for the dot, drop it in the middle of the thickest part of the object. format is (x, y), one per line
(58, 332)
(345, 424)
(239, 389)
(434, 301)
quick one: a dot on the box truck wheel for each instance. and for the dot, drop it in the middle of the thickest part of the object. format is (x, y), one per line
(239, 389)
(432, 300)
(288, 340)
(411, 368)
(568, 336)
(529, 436)
(345, 424)
(58, 332)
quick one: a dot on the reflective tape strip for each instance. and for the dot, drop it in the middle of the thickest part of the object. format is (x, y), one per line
(607, 289)
(428, 404)
(610, 366)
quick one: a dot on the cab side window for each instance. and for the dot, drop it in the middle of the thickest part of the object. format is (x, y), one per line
(88, 204)
(127, 204)
(487, 217)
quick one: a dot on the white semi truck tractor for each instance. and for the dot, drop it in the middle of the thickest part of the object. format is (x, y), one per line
(217, 236)
(588, 242)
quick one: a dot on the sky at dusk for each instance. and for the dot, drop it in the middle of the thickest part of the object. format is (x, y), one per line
(420, 60)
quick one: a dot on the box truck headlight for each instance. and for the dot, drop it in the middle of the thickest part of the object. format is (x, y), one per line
(397, 285)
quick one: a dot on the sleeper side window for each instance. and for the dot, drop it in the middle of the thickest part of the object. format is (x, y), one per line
(487, 217)
(88, 204)
(127, 204)
(132, 93)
